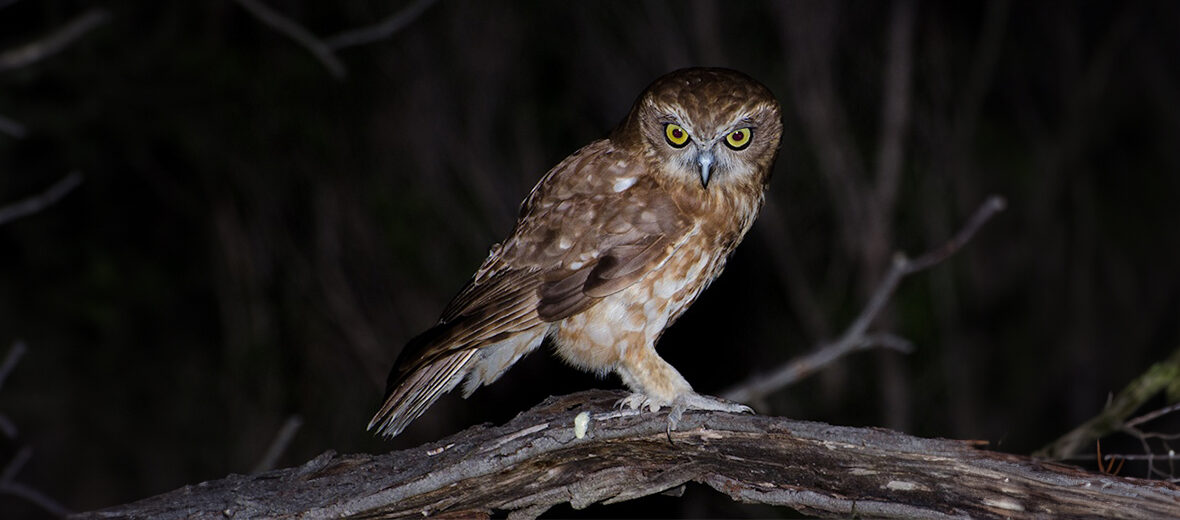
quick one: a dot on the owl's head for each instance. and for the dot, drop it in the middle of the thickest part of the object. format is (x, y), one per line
(706, 125)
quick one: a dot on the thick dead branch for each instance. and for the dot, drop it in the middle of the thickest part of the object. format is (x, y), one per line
(55, 42)
(37, 203)
(855, 337)
(538, 460)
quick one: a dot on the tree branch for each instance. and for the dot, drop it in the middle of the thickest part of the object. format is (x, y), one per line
(1164, 375)
(12, 127)
(854, 337)
(382, 30)
(296, 32)
(325, 50)
(37, 203)
(538, 460)
(279, 445)
(895, 107)
(8, 483)
(55, 42)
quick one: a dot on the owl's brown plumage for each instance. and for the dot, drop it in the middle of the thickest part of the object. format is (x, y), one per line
(611, 246)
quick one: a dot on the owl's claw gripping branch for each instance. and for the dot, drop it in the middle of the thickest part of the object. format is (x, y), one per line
(695, 401)
(611, 247)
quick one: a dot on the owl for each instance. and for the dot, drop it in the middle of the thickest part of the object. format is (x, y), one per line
(611, 247)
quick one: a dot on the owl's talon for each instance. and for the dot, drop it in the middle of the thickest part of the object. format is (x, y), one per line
(695, 401)
(639, 401)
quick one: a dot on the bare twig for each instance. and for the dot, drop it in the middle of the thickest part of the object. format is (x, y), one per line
(14, 354)
(8, 427)
(895, 106)
(1114, 416)
(1115, 456)
(53, 43)
(297, 32)
(1150, 416)
(854, 337)
(42, 500)
(15, 465)
(1130, 427)
(380, 31)
(799, 368)
(12, 128)
(37, 203)
(9, 486)
(1162, 456)
(279, 445)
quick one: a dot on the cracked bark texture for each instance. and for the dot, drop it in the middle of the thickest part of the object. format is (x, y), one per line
(537, 460)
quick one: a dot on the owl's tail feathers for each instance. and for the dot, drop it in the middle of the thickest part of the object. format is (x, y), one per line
(419, 389)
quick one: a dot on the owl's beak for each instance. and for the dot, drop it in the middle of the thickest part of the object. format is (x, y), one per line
(705, 161)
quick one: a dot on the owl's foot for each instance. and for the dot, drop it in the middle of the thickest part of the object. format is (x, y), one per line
(640, 400)
(682, 403)
(695, 401)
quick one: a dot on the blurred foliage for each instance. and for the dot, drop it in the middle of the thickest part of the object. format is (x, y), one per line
(255, 239)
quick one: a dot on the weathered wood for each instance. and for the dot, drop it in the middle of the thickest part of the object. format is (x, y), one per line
(536, 461)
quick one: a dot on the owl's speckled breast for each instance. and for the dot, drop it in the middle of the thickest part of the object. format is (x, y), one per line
(600, 337)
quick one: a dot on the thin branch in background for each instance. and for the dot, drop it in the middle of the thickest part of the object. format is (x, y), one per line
(854, 338)
(37, 203)
(1160, 376)
(279, 445)
(895, 107)
(16, 464)
(8, 427)
(298, 33)
(14, 354)
(1116, 456)
(1150, 416)
(53, 43)
(382, 30)
(12, 128)
(8, 485)
(1131, 427)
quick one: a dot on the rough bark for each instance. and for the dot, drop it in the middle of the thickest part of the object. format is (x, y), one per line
(536, 461)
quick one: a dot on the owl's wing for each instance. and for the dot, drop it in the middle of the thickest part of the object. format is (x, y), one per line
(593, 226)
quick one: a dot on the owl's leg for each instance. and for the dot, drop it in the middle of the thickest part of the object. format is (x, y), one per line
(657, 384)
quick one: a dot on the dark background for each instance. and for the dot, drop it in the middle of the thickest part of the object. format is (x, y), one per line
(255, 239)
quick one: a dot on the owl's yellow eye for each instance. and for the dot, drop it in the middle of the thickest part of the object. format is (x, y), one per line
(676, 135)
(739, 138)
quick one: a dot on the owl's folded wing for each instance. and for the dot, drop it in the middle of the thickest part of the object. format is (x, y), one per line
(591, 228)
